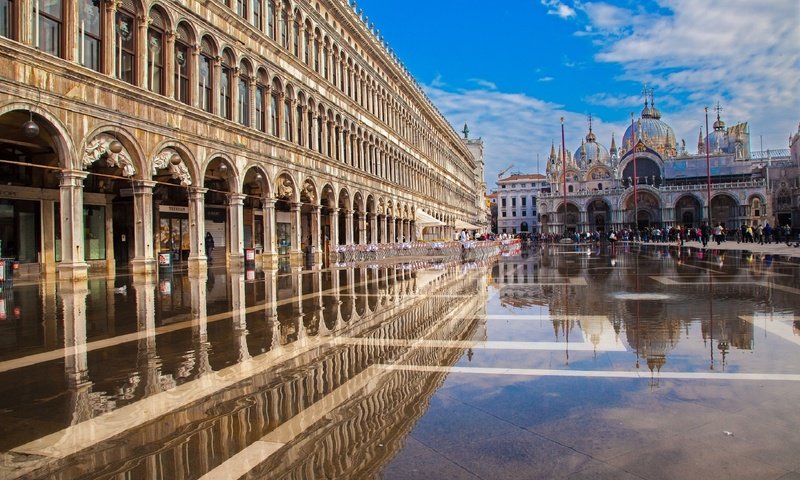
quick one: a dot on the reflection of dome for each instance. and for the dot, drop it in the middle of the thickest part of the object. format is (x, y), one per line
(653, 132)
(591, 153)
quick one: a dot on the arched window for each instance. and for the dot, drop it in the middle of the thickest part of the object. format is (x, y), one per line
(325, 60)
(320, 121)
(261, 107)
(182, 40)
(296, 34)
(275, 105)
(287, 116)
(257, 20)
(155, 53)
(300, 124)
(307, 44)
(126, 41)
(225, 85)
(241, 8)
(334, 77)
(206, 80)
(90, 33)
(316, 54)
(271, 19)
(244, 95)
(569, 189)
(285, 28)
(310, 125)
(51, 26)
(8, 16)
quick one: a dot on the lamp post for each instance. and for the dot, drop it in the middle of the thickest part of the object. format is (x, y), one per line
(564, 172)
(708, 175)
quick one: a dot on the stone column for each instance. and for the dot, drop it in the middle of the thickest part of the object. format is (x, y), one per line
(384, 228)
(373, 226)
(109, 32)
(194, 78)
(215, 82)
(236, 214)
(169, 64)
(348, 227)
(197, 230)
(392, 232)
(316, 230)
(142, 52)
(295, 252)
(73, 265)
(362, 228)
(269, 256)
(234, 86)
(334, 222)
(143, 261)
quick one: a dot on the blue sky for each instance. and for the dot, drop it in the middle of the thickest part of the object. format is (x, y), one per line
(511, 69)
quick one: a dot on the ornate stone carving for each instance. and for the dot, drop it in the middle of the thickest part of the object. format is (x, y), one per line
(285, 189)
(178, 170)
(100, 148)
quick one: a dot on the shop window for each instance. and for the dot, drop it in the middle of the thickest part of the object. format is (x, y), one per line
(94, 232)
(20, 230)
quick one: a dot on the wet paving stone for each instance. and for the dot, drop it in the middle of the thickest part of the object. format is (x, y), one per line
(574, 362)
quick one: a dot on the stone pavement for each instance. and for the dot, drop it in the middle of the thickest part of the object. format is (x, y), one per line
(765, 249)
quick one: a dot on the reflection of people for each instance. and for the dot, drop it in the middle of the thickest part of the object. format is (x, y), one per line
(209, 244)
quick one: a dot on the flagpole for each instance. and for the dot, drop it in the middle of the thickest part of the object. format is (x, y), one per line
(708, 175)
(635, 181)
(564, 172)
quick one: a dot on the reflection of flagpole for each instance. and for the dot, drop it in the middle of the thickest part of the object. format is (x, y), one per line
(708, 175)
(635, 181)
(564, 172)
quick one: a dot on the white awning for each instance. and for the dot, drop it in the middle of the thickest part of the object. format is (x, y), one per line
(422, 219)
(462, 225)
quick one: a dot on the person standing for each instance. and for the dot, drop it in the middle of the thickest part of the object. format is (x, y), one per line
(705, 231)
(209, 245)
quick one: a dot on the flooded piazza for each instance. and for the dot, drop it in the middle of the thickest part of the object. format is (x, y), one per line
(577, 362)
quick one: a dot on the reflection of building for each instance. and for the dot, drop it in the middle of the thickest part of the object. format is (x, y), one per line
(193, 407)
(516, 200)
(129, 130)
(670, 182)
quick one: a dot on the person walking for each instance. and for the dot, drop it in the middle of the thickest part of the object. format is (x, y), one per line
(705, 231)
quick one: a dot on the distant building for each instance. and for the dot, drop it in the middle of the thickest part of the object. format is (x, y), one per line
(670, 183)
(516, 203)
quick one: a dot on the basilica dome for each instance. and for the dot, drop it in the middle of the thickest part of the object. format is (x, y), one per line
(591, 153)
(652, 132)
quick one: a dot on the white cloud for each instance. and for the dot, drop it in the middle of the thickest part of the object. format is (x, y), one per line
(437, 81)
(614, 101)
(546, 79)
(484, 83)
(555, 7)
(741, 53)
(515, 127)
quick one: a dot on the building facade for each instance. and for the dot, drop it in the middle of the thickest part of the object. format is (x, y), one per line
(516, 203)
(132, 128)
(596, 185)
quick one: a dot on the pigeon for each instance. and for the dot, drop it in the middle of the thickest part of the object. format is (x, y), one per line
(123, 290)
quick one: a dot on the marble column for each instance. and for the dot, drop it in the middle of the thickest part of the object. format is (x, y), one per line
(236, 215)
(392, 230)
(269, 256)
(348, 227)
(197, 230)
(76, 362)
(373, 226)
(143, 261)
(362, 228)
(295, 252)
(334, 223)
(198, 283)
(316, 230)
(73, 265)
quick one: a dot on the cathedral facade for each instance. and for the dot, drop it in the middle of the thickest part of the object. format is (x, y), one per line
(651, 180)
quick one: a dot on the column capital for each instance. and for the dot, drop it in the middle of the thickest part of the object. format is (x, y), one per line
(73, 177)
(295, 206)
(236, 198)
(143, 185)
(268, 202)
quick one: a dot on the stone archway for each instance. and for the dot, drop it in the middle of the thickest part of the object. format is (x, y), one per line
(724, 209)
(688, 211)
(599, 215)
(644, 211)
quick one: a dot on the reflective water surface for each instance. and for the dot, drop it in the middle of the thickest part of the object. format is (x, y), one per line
(559, 362)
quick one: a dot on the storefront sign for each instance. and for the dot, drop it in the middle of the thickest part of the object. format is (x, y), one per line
(173, 209)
